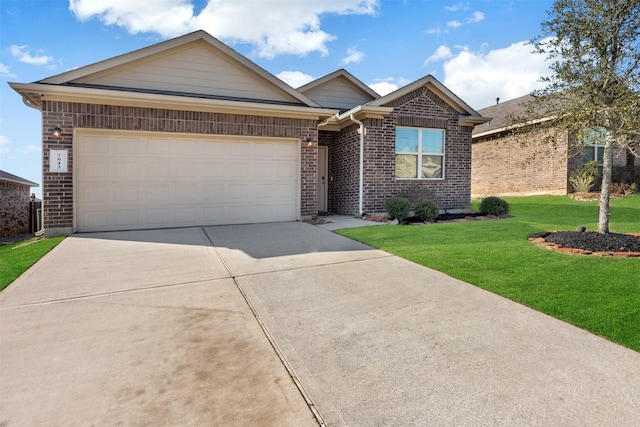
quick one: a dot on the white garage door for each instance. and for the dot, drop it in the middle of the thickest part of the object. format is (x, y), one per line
(127, 181)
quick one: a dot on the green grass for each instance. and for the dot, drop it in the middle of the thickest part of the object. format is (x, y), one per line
(598, 294)
(16, 258)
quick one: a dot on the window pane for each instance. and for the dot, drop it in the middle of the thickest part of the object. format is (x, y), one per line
(406, 140)
(406, 166)
(432, 141)
(588, 154)
(431, 166)
(600, 153)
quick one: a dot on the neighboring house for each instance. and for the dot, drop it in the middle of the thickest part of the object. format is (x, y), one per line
(14, 204)
(503, 165)
(188, 132)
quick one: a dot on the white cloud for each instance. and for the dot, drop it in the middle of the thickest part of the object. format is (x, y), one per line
(23, 55)
(29, 148)
(353, 55)
(4, 144)
(5, 71)
(507, 73)
(295, 78)
(476, 17)
(384, 87)
(274, 27)
(454, 24)
(457, 6)
(435, 30)
(442, 52)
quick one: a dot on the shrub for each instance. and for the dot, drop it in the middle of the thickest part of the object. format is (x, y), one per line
(397, 208)
(622, 174)
(494, 206)
(416, 193)
(427, 210)
(623, 189)
(582, 179)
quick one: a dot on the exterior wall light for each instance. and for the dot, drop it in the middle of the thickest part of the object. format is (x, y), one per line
(309, 142)
(57, 132)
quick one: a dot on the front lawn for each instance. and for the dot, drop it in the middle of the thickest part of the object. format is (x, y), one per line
(601, 295)
(16, 258)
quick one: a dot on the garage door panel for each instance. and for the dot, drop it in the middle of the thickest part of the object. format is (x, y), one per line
(213, 191)
(137, 181)
(158, 193)
(94, 169)
(237, 191)
(95, 145)
(127, 193)
(127, 146)
(187, 193)
(158, 146)
(187, 169)
(126, 218)
(125, 170)
(93, 194)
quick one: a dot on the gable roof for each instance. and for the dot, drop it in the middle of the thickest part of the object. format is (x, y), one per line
(499, 115)
(339, 89)
(191, 71)
(468, 116)
(14, 179)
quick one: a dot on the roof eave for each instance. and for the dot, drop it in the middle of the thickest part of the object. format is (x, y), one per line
(340, 121)
(472, 120)
(35, 93)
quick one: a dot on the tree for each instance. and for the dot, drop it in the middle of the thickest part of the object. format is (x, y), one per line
(594, 86)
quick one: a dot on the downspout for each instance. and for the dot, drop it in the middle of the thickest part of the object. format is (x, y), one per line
(361, 186)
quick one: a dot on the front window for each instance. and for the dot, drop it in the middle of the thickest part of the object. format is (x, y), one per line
(419, 153)
(593, 149)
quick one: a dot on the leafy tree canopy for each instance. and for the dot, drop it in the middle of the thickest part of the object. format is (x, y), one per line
(594, 50)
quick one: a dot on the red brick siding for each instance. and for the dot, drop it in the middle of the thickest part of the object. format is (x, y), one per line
(14, 209)
(343, 165)
(421, 108)
(57, 188)
(506, 165)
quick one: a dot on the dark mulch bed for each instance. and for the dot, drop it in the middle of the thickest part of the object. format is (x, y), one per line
(595, 242)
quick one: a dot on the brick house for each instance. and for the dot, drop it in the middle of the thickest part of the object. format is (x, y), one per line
(503, 166)
(189, 132)
(14, 204)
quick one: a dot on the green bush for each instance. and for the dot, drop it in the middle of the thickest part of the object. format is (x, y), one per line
(397, 208)
(427, 210)
(583, 179)
(494, 206)
(416, 193)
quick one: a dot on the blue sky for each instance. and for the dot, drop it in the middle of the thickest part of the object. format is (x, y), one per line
(474, 47)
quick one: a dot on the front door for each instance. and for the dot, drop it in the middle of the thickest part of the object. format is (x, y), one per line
(322, 178)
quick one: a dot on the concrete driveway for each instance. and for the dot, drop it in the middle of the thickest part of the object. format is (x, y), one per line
(287, 324)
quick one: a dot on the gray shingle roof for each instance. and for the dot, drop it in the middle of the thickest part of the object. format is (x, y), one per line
(500, 113)
(7, 177)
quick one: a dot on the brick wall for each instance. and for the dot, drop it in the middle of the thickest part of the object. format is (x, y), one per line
(512, 166)
(14, 209)
(57, 189)
(421, 108)
(343, 170)
(526, 165)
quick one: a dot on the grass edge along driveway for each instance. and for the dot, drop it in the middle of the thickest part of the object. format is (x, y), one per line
(16, 258)
(601, 295)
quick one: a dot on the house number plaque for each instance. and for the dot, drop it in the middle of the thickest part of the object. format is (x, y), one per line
(58, 160)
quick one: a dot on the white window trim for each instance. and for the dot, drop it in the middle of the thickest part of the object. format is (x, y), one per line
(419, 154)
